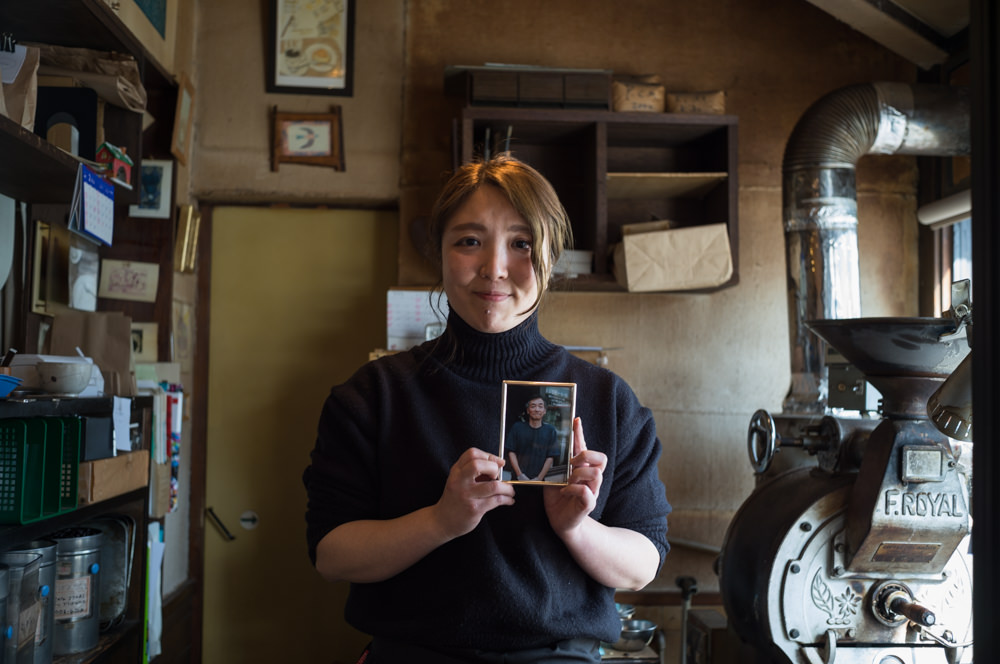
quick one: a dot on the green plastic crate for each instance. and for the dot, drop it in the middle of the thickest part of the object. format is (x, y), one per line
(69, 478)
(39, 467)
(52, 466)
(22, 470)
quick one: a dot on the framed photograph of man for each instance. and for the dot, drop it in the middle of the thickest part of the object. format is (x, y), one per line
(536, 431)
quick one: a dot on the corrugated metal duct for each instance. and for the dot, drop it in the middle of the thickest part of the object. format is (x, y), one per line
(820, 202)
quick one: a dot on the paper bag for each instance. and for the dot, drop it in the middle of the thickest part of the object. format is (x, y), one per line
(115, 76)
(688, 258)
(104, 336)
(630, 96)
(696, 102)
(20, 95)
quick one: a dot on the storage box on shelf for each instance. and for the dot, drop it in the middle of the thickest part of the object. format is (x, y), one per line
(39, 461)
(613, 169)
(494, 85)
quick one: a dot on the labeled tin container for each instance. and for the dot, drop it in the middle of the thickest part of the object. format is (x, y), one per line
(78, 588)
(6, 629)
(46, 589)
(23, 607)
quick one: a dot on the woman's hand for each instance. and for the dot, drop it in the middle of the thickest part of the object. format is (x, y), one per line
(615, 557)
(473, 489)
(567, 506)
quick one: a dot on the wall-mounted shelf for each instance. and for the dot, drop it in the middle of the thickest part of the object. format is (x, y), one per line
(612, 169)
(33, 170)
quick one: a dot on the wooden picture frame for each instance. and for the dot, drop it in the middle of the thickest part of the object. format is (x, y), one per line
(154, 25)
(156, 189)
(311, 47)
(145, 341)
(533, 406)
(180, 143)
(186, 245)
(308, 138)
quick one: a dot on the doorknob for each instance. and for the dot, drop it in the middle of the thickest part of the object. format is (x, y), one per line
(214, 518)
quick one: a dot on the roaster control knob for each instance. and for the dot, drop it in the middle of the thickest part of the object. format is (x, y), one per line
(893, 604)
(914, 612)
(762, 441)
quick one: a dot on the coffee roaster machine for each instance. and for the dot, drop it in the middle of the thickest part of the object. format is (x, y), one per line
(854, 547)
(861, 556)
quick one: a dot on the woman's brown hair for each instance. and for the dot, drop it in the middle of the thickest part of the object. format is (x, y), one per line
(532, 197)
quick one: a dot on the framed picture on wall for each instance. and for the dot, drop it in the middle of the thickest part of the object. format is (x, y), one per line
(180, 144)
(308, 138)
(156, 178)
(311, 47)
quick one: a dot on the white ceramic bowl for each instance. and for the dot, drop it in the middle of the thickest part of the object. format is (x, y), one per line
(69, 378)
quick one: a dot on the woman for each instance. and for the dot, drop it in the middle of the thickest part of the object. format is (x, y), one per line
(447, 563)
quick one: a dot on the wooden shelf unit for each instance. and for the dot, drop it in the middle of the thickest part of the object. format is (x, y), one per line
(122, 642)
(611, 169)
(37, 173)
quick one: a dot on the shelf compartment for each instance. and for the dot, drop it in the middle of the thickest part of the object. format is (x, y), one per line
(33, 170)
(611, 169)
(660, 185)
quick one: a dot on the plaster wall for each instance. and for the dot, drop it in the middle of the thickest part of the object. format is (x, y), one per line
(702, 363)
(233, 112)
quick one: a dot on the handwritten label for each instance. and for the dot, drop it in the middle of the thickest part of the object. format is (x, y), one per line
(72, 598)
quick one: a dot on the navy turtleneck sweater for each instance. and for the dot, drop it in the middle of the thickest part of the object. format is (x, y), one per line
(387, 439)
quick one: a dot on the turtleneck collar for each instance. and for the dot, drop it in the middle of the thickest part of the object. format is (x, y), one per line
(497, 356)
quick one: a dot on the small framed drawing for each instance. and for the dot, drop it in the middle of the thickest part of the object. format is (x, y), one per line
(156, 178)
(144, 341)
(536, 431)
(180, 144)
(308, 138)
(311, 47)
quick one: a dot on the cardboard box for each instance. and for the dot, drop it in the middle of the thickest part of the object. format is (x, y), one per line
(107, 478)
(689, 258)
(159, 495)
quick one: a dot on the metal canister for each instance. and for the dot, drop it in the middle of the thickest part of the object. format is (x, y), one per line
(23, 607)
(78, 588)
(6, 629)
(46, 589)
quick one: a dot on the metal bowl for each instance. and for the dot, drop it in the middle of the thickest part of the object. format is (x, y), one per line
(636, 635)
(625, 611)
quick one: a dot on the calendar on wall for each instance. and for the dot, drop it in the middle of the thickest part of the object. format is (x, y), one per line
(92, 213)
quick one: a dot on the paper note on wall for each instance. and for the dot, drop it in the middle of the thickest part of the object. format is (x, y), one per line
(127, 280)
(413, 316)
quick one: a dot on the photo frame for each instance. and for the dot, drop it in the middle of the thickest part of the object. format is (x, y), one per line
(311, 47)
(536, 431)
(308, 138)
(145, 341)
(180, 143)
(156, 187)
(186, 245)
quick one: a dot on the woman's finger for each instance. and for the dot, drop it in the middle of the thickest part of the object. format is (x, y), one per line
(579, 444)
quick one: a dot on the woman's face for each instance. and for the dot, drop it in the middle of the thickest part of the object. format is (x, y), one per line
(486, 262)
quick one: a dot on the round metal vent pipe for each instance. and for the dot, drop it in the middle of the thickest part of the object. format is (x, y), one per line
(820, 209)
